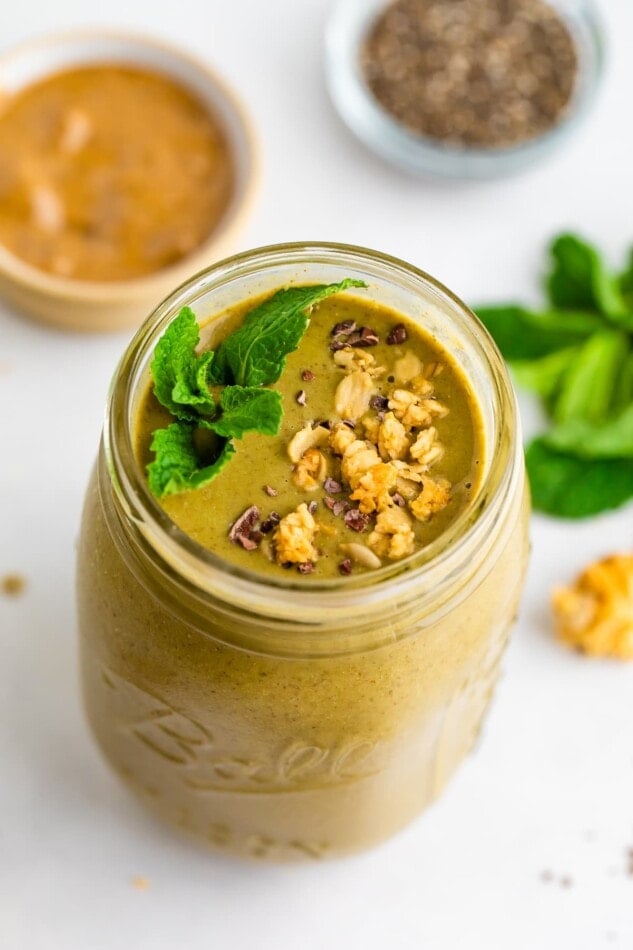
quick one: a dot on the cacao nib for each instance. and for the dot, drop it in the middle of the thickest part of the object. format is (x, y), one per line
(271, 522)
(270, 491)
(336, 506)
(307, 375)
(379, 402)
(331, 486)
(398, 335)
(356, 520)
(240, 532)
(341, 334)
(344, 328)
(368, 337)
(306, 568)
(345, 567)
(364, 336)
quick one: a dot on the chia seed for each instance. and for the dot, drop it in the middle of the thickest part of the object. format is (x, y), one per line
(472, 73)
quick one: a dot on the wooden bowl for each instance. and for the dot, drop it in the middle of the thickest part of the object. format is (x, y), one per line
(84, 305)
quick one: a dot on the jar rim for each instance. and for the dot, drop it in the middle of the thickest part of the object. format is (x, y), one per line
(204, 573)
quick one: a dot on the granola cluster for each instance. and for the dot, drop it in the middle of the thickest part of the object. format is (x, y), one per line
(595, 614)
(372, 458)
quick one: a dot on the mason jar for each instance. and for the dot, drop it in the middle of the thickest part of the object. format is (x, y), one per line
(278, 719)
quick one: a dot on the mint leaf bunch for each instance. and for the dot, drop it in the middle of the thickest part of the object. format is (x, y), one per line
(193, 449)
(177, 466)
(180, 375)
(255, 354)
(577, 355)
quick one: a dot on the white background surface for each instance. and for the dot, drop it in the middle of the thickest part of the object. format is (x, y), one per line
(551, 786)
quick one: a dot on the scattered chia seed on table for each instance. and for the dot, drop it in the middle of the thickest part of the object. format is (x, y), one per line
(472, 73)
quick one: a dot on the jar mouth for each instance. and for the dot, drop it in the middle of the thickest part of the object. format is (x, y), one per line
(207, 573)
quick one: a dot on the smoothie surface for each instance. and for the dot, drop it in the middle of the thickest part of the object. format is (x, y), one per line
(380, 448)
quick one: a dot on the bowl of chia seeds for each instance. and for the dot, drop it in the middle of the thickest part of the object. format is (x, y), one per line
(463, 89)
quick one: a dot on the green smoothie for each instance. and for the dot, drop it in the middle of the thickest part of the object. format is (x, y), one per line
(305, 679)
(409, 412)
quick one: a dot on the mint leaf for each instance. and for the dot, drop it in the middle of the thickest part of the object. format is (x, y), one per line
(610, 439)
(579, 280)
(623, 389)
(522, 334)
(180, 374)
(177, 466)
(570, 487)
(578, 357)
(250, 358)
(255, 353)
(248, 409)
(625, 282)
(544, 375)
(588, 386)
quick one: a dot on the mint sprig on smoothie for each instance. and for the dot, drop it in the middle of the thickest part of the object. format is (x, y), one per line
(255, 354)
(178, 466)
(193, 449)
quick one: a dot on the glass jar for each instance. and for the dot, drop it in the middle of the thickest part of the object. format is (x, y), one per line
(281, 720)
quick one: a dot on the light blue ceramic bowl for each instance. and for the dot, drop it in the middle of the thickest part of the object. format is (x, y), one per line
(373, 125)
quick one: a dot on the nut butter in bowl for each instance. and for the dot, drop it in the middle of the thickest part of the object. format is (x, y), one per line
(125, 166)
(302, 550)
